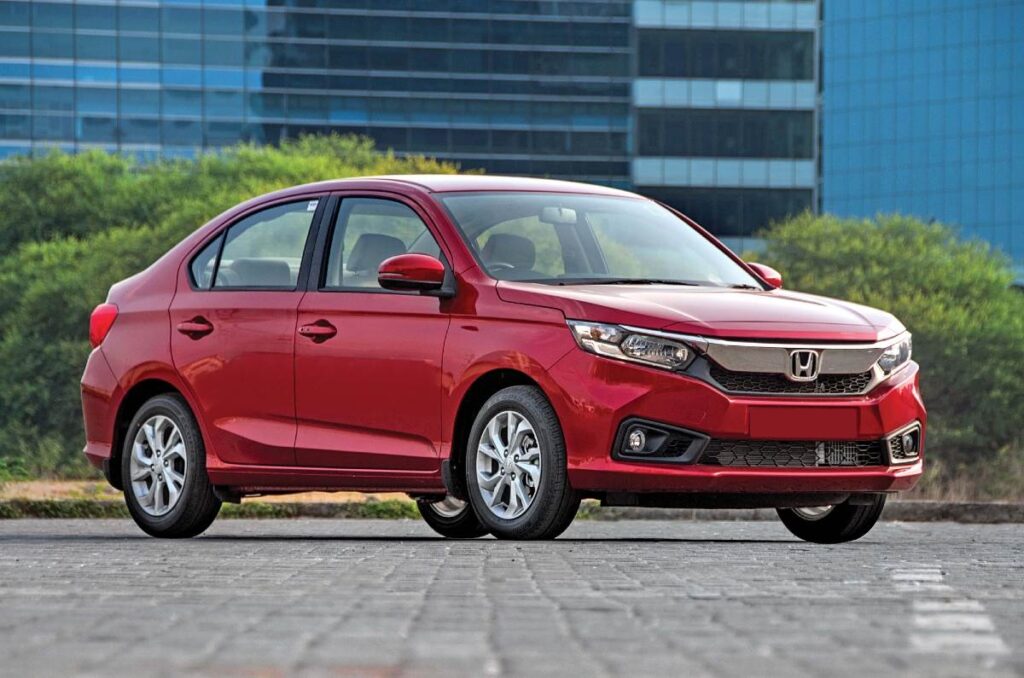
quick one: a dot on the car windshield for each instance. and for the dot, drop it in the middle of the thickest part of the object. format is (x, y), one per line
(566, 239)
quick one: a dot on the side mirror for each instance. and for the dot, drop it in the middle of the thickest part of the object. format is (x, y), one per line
(411, 272)
(768, 274)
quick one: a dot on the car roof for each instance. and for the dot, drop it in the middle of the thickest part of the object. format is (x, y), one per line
(447, 183)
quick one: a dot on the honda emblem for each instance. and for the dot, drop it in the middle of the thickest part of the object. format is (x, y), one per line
(804, 365)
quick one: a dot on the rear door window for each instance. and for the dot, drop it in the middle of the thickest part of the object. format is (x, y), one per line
(264, 250)
(205, 264)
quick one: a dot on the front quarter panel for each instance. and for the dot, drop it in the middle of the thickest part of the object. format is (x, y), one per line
(489, 334)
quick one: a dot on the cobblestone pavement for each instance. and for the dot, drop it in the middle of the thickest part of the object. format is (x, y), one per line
(385, 598)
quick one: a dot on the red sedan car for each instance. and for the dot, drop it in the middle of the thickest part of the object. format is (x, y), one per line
(498, 348)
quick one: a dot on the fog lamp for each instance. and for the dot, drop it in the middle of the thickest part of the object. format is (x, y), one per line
(905, 447)
(637, 440)
(909, 441)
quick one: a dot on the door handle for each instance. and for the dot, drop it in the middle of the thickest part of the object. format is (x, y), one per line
(196, 328)
(319, 331)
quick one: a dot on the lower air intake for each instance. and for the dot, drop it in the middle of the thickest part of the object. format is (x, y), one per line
(792, 453)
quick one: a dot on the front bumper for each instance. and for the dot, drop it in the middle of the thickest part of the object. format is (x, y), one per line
(598, 394)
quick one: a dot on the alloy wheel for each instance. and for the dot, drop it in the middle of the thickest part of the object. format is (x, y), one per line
(813, 512)
(449, 507)
(158, 465)
(508, 464)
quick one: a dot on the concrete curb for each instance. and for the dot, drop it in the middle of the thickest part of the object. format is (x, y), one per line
(895, 511)
(905, 511)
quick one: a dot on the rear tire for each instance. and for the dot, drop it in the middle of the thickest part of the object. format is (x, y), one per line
(841, 523)
(451, 518)
(516, 445)
(163, 464)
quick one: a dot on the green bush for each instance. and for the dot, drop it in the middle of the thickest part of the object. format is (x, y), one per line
(956, 298)
(70, 226)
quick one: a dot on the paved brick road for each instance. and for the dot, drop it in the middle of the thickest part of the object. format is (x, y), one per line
(628, 598)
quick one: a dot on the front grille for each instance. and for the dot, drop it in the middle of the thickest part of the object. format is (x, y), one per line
(757, 382)
(792, 453)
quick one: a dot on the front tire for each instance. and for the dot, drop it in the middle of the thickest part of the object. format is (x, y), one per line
(163, 464)
(516, 467)
(452, 518)
(833, 524)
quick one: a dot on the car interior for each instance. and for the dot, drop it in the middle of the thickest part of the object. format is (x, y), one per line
(370, 250)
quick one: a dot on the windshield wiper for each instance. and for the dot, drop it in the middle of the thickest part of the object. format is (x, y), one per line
(744, 286)
(627, 281)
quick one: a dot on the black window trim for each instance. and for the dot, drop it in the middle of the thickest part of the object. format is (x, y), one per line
(328, 222)
(221, 233)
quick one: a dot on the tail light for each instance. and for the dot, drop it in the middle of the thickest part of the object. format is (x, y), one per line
(100, 322)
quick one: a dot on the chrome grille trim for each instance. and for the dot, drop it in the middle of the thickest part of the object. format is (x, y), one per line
(773, 357)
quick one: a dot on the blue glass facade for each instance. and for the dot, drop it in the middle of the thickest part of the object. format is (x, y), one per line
(726, 106)
(524, 86)
(924, 113)
(708, 105)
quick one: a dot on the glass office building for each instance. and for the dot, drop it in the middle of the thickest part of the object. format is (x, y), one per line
(522, 86)
(924, 113)
(709, 105)
(725, 101)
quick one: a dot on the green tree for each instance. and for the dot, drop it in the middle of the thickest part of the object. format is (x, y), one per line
(74, 225)
(956, 298)
(60, 194)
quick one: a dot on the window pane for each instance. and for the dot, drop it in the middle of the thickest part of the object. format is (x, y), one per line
(525, 247)
(546, 236)
(265, 249)
(732, 211)
(93, 16)
(52, 15)
(726, 133)
(14, 14)
(15, 96)
(139, 19)
(95, 48)
(182, 132)
(52, 45)
(96, 130)
(203, 264)
(368, 231)
(759, 55)
(139, 49)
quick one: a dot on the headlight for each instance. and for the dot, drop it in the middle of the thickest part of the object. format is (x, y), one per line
(896, 356)
(617, 342)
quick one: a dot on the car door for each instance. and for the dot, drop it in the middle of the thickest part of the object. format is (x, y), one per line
(368, 360)
(233, 331)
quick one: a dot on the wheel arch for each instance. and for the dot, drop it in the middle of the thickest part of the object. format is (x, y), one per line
(482, 388)
(130, 403)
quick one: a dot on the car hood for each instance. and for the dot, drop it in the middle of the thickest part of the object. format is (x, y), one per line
(712, 311)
